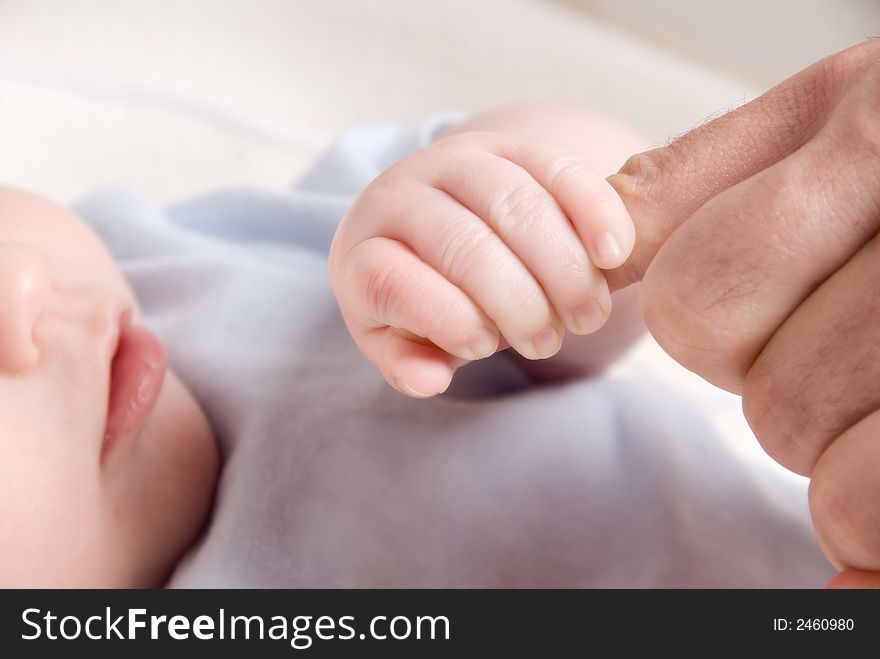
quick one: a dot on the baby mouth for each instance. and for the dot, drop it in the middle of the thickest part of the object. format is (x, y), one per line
(137, 372)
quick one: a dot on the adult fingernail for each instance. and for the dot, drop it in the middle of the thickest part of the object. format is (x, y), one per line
(484, 344)
(588, 317)
(547, 342)
(609, 252)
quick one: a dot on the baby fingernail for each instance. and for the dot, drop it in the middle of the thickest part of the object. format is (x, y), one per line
(609, 251)
(546, 342)
(484, 344)
(409, 390)
(588, 317)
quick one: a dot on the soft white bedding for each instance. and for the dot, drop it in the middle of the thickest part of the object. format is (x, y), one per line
(178, 97)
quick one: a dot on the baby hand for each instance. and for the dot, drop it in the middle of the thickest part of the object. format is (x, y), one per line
(476, 241)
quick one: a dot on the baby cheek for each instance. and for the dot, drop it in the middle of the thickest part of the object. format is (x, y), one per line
(159, 490)
(50, 516)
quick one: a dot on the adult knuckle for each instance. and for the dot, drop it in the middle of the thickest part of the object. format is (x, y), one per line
(691, 338)
(641, 174)
(840, 67)
(832, 80)
(694, 315)
(860, 116)
(795, 110)
(773, 405)
(811, 381)
(839, 517)
(828, 510)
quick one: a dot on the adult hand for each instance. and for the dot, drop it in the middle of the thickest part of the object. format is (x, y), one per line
(757, 242)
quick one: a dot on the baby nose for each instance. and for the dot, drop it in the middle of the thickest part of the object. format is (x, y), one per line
(24, 290)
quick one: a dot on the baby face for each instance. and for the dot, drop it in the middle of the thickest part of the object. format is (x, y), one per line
(107, 464)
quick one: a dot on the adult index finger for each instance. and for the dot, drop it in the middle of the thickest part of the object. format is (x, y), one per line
(663, 187)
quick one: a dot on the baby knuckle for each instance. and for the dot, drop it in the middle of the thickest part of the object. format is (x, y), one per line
(467, 140)
(517, 208)
(462, 249)
(529, 306)
(335, 265)
(574, 270)
(569, 170)
(384, 287)
(452, 316)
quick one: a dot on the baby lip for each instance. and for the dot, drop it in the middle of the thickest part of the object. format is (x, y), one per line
(137, 371)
